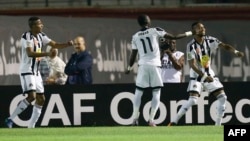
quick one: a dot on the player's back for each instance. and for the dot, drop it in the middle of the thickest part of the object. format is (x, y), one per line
(146, 41)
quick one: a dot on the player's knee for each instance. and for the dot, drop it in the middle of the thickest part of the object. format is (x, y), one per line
(194, 94)
(40, 99)
(31, 98)
(222, 98)
(193, 100)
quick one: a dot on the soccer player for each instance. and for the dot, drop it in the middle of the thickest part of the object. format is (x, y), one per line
(145, 42)
(199, 52)
(172, 62)
(32, 42)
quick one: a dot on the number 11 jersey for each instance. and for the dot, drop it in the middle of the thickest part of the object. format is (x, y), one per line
(146, 41)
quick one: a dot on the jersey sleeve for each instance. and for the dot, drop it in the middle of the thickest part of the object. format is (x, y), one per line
(45, 39)
(133, 43)
(214, 43)
(161, 32)
(190, 52)
(29, 43)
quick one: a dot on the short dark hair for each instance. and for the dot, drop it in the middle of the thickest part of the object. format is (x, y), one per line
(32, 21)
(143, 20)
(195, 23)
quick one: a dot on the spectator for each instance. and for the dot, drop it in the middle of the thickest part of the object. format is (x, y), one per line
(57, 66)
(79, 66)
(172, 62)
(44, 69)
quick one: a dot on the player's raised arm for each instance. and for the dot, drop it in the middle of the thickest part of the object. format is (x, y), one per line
(60, 45)
(231, 49)
(178, 36)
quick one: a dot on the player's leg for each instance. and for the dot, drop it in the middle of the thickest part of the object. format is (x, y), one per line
(221, 106)
(28, 86)
(136, 106)
(192, 100)
(156, 83)
(40, 99)
(22, 105)
(155, 102)
(142, 82)
(37, 109)
(194, 93)
(216, 88)
(19, 109)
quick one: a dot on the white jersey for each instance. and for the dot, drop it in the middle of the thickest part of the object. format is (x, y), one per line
(57, 66)
(169, 73)
(30, 65)
(202, 54)
(146, 41)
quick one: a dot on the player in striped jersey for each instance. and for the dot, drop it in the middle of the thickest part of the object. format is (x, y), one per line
(199, 52)
(145, 42)
(32, 42)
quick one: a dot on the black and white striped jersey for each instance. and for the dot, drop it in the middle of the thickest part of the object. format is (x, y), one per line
(202, 54)
(31, 64)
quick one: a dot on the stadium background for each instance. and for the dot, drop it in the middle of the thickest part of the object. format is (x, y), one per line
(107, 27)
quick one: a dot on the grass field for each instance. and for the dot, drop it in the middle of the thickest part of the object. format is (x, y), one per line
(116, 133)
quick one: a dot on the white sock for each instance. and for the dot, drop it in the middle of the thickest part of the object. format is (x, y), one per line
(35, 115)
(137, 103)
(20, 108)
(184, 108)
(221, 105)
(155, 102)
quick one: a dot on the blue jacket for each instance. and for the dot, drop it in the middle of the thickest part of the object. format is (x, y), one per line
(79, 68)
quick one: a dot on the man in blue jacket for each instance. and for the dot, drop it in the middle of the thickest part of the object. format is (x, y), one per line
(79, 66)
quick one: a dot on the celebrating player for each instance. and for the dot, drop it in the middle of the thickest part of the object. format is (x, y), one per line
(146, 43)
(32, 42)
(199, 52)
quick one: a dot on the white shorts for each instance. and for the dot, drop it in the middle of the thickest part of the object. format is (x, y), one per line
(210, 87)
(32, 82)
(149, 77)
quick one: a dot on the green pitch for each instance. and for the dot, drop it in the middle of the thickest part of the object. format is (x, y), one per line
(116, 133)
